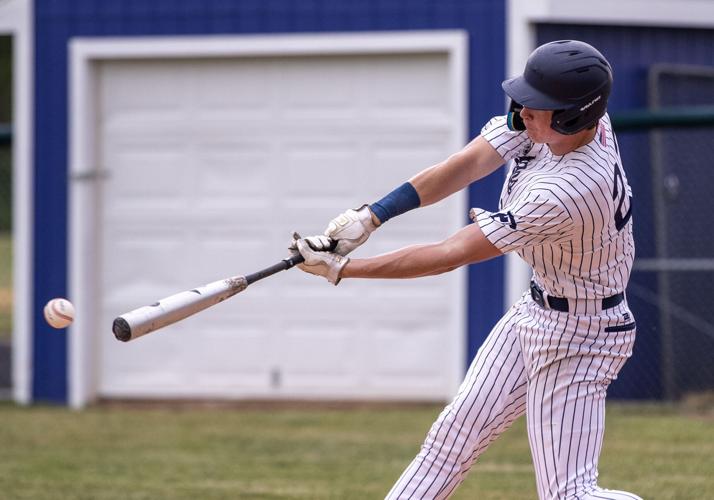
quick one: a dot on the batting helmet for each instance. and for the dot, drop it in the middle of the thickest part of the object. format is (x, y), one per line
(569, 77)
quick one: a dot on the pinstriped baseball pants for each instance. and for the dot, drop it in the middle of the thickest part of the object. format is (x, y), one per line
(554, 367)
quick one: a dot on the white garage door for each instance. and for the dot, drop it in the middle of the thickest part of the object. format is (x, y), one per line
(211, 164)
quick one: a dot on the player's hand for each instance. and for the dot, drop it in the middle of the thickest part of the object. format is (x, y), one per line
(351, 228)
(318, 259)
(318, 243)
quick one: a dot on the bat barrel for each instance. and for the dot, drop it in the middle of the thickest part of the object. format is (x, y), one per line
(169, 310)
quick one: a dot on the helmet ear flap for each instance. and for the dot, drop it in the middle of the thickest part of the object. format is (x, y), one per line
(573, 120)
(564, 121)
(513, 119)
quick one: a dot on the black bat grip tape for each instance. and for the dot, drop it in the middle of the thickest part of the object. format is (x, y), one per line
(276, 268)
(283, 265)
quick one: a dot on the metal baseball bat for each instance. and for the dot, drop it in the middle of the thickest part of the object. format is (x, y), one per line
(169, 310)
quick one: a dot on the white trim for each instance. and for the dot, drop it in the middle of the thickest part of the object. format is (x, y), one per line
(85, 53)
(16, 20)
(665, 13)
(267, 45)
(459, 64)
(82, 261)
(522, 16)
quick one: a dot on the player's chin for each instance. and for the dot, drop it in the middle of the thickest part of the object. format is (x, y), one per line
(535, 136)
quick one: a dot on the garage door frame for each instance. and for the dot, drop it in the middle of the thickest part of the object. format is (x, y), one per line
(85, 172)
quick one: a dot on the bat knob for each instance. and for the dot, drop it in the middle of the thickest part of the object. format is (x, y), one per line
(121, 329)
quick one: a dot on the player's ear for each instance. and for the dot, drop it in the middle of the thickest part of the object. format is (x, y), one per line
(515, 122)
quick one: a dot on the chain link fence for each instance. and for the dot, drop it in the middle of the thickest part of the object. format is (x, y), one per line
(667, 154)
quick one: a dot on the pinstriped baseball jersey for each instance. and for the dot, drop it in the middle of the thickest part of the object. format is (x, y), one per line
(567, 216)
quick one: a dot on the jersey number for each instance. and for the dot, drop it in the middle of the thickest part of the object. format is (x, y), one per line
(618, 194)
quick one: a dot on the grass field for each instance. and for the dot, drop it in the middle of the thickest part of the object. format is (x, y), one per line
(5, 286)
(131, 454)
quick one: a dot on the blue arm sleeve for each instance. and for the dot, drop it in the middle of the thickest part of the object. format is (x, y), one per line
(401, 200)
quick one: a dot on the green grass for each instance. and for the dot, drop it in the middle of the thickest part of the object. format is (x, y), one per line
(132, 454)
(5, 286)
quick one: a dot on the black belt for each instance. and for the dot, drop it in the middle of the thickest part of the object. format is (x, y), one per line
(561, 304)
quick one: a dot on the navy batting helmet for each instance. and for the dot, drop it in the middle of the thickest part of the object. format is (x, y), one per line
(569, 77)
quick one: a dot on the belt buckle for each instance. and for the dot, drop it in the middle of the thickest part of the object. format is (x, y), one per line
(537, 295)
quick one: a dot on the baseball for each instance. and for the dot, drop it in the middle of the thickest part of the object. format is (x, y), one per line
(59, 313)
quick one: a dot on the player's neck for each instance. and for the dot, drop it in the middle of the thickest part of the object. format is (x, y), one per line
(567, 143)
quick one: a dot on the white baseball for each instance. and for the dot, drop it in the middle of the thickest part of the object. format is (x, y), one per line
(59, 313)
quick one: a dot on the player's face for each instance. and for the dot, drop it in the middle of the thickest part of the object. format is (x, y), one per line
(537, 123)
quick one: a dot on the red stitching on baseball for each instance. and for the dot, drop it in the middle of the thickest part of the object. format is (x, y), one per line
(59, 313)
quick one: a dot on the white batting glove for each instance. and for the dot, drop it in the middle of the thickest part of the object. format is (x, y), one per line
(350, 229)
(318, 260)
(318, 243)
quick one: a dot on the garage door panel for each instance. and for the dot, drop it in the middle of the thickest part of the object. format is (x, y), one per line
(416, 299)
(151, 175)
(394, 161)
(237, 89)
(162, 88)
(138, 253)
(428, 225)
(232, 171)
(410, 83)
(310, 169)
(244, 254)
(212, 180)
(225, 356)
(411, 351)
(307, 92)
(159, 359)
(234, 349)
(318, 353)
(299, 291)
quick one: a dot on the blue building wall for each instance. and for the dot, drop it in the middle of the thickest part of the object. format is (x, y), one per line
(57, 21)
(632, 51)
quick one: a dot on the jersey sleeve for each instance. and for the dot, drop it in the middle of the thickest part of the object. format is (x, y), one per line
(535, 218)
(508, 143)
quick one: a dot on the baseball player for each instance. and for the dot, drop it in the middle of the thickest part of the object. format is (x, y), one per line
(565, 208)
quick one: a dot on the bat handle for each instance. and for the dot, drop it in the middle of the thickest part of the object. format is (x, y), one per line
(283, 265)
(293, 261)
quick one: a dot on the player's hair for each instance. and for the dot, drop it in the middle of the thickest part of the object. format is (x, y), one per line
(567, 76)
